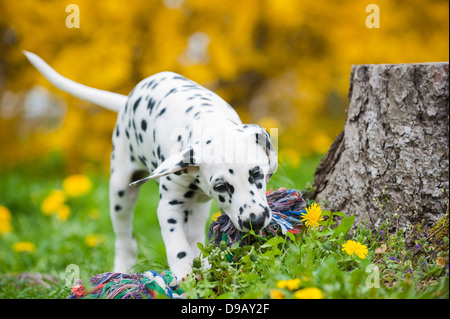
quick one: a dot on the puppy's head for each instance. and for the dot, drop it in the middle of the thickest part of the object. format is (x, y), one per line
(233, 168)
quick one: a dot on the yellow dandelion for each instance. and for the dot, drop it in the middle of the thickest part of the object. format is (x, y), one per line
(77, 185)
(309, 293)
(290, 284)
(352, 247)
(24, 246)
(215, 216)
(93, 240)
(282, 284)
(63, 212)
(52, 202)
(361, 250)
(276, 294)
(349, 247)
(5, 214)
(293, 284)
(312, 217)
(5, 220)
(5, 227)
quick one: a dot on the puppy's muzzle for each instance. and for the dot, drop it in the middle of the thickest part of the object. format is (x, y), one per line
(256, 221)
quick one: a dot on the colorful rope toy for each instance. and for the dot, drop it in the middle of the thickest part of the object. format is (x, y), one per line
(287, 206)
(147, 285)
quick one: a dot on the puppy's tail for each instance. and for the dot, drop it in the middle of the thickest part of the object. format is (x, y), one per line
(109, 100)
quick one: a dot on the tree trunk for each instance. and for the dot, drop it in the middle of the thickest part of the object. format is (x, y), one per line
(391, 160)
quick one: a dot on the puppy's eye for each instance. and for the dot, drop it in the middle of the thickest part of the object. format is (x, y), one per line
(256, 173)
(220, 187)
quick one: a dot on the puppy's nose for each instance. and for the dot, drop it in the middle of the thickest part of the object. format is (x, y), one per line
(255, 222)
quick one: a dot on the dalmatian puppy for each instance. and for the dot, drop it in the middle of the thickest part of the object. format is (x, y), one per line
(195, 146)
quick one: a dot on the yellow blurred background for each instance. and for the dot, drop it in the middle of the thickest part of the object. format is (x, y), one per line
(281, 63)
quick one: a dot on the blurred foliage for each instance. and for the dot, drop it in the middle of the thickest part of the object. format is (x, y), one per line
(281, 63)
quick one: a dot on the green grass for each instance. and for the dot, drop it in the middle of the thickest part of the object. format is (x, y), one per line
(314, 257)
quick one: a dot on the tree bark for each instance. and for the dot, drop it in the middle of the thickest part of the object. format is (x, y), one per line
(391, 160)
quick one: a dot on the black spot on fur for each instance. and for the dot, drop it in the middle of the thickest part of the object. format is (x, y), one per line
(189, 194)
(241, 210)
(170, 92)
(231, 171)
(181, 255)
(193, 186)
(150, 83)
(117, 208)
(117, 131)
(189, 109)
(208, 141)
(121, 193)
(155, 85)
(136, 104)
(158, 152)
(164, 187)
(266, 212)
(127, 133)
(176, 202)
(144, 125)
(143, 160)
(172, 221)
(221, 198)
(162, 112)
(150, 105)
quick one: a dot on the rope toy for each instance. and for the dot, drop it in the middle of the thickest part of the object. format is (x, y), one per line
(147, 285)
(287, 206)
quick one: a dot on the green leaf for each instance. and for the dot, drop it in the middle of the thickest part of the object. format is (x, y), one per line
(343, 227)
(273, 242)
(202, 249)
(235, 246)
(326, 233)
(290, 235)
(326, 213)
(271, 253)
(339, 214)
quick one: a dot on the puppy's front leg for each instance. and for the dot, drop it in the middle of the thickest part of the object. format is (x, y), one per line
(171, 216)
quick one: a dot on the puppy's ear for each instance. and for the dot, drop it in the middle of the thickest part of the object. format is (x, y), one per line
(182, 162)
(263, 139)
